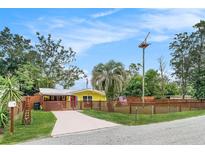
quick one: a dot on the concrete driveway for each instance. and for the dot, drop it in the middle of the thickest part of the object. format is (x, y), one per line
(74, 122)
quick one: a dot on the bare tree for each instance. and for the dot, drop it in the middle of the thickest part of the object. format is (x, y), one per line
(163, 77)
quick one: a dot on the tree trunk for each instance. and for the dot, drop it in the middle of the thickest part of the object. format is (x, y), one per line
(110, 106)
(1, 130)
(183, 96)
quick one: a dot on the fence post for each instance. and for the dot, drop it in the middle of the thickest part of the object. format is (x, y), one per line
(154, 108)
(130, 109)
(195, 106)
(91, 105)
(100, 105)
(81, 105)
(189, 106)
(180, 107)
(113, 106)
(136, 114)
(168, 107)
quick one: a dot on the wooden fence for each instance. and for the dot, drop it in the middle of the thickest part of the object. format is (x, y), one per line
(21, 105)
(96, 105)
(156, 107)
(165, 107)
(150, 106)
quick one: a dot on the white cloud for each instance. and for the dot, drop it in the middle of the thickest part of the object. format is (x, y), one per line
(171, 19)
(82, 34)
(105, 13)
(158, 38)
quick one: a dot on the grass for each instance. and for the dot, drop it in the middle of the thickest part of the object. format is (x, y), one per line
(41, 126)
(129, 119)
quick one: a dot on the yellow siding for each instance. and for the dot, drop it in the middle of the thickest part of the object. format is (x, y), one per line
(95, 96)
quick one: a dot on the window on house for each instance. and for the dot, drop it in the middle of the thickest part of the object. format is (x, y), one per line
(63, 98)
(84, 98)
(46, 98)
(90, 98)
(52, 98)
(87, 98)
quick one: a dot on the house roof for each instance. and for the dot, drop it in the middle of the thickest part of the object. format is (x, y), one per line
(93, 90)
(64, 92)
(51, 91)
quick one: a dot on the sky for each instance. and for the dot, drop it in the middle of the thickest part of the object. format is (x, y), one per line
(99, 35)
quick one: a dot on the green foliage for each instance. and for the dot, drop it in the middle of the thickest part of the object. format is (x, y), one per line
(181, 60)
(13, 48)
(172, 89)
(54, 57)
(109, 77)
(133, 69)
(198, 60)
(71, 75)
(152, 84)
(3, 116)
(43, 64)
(29, 78)
(134, 86)
(188, 60)
(9, 90)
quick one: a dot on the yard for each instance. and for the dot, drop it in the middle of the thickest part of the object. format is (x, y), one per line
(129, 119)
(41, 126)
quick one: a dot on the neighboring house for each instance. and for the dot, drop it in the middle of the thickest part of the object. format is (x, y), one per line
(64, 99)
(180, 97)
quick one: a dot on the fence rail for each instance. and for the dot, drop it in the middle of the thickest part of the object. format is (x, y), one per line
(148, 107)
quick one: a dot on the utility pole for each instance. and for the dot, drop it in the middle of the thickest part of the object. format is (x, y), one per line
(143, 45)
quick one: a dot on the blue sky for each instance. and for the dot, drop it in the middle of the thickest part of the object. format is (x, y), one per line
(98, 35)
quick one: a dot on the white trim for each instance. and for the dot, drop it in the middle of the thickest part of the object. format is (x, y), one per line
(52, 91)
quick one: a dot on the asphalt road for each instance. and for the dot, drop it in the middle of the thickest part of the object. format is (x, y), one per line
(185, 131)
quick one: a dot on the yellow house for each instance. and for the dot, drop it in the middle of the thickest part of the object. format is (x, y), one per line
(89, 95)
(65, 99)
(85, 95)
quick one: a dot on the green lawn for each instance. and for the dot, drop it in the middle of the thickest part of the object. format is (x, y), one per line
(129, 119)
(41, 126)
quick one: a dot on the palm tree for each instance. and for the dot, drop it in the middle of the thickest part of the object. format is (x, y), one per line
(9, 90)
(109, 77)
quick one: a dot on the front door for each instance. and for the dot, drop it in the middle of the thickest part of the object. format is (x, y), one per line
(73, 102)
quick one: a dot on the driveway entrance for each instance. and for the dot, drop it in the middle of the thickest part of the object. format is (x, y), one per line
(74, 122)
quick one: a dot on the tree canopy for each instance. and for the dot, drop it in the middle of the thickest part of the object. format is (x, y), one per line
(109, 77)
(46, 63)
(188, 60)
